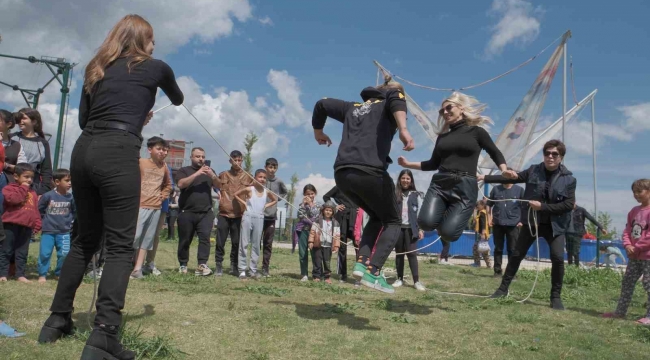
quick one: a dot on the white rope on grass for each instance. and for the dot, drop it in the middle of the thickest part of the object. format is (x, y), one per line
(537, 268)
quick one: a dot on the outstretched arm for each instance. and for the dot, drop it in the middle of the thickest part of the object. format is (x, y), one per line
(334, 108)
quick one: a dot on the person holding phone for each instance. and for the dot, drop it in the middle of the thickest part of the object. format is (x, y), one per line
(195, 204)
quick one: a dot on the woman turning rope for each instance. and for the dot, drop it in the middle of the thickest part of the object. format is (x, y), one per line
(119, 91)
(360, 169)
(551, 191)
(449, 203)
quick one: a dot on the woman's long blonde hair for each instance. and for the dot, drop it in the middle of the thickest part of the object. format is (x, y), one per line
(472, 110)
(128, 38)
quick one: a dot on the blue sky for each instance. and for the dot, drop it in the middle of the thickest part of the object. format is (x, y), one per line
(261, 66)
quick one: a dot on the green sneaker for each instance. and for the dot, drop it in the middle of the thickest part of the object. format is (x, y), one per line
(377, 282)
(359, 270)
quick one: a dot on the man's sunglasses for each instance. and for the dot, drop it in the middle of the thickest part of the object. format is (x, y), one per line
(551, 154)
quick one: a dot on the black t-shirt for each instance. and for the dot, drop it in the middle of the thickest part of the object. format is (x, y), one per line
(545, 217)
(368, 127)
(459, 149)
(198, 196)
(126, 96)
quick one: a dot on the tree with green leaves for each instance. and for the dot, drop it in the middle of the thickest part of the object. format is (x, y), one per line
(606, 221)
(249, 142)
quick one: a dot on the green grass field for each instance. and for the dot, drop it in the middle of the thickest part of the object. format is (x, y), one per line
(187, 317)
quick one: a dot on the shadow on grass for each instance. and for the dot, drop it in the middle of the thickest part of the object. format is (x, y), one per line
(326, 311)
(590, 312)
(83, 321)
(405, 306)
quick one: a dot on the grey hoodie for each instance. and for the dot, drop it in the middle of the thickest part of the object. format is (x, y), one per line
(277, 186)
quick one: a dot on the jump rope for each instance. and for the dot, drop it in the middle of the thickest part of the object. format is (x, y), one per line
(530, 211)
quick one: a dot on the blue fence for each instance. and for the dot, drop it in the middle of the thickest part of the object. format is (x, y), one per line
(463, 247)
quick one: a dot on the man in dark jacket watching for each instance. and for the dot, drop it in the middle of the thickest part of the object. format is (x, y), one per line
(551, 194)
(576, 231)
(505, 220)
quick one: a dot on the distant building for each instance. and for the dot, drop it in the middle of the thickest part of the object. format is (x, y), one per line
(176, 156)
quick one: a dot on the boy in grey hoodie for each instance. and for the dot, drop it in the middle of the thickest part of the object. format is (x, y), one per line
(270, 214)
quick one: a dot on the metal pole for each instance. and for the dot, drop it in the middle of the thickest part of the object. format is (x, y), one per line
(564, 94)
(593, 150)
(64, 96)
(37, 97)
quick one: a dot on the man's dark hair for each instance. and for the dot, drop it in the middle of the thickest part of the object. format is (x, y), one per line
(60, 174)
(157, 140)
(259, 171)
(196, 148)
(23, 167)
(236, 154)
(561, 148)
(271, 161)
(520, 119)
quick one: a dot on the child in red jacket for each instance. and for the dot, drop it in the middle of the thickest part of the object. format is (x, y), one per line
(20, 218)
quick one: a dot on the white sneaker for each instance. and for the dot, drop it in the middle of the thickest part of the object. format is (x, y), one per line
(202, 270)
(304, 278)
(398, 283)
(242, 275)
(153, 269)
(418, 286)
(445, 262)
(182, 269)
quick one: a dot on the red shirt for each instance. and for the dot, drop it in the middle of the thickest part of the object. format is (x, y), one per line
(21, 207)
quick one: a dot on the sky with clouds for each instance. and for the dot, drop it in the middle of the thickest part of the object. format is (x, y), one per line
(260, 66)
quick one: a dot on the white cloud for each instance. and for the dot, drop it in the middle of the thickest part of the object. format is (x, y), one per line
(637, 117)
(265, 21)
(291, 111)
(518, 23)
(74, 30)
(578, 135)
(229, 116)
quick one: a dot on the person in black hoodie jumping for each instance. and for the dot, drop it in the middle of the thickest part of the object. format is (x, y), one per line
(551, 191)
(449, 203)
(360, 169)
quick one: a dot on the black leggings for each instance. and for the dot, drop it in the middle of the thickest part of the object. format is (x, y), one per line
(448, 205)
(405, 243)
(375, 194)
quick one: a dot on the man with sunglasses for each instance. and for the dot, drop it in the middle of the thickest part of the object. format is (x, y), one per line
(550, 189)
